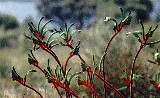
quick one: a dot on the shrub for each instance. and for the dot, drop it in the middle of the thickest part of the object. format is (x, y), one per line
(61, 77)
(4, 70)
(8, 22)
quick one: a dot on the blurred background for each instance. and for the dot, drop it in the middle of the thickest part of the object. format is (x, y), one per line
(88, 15)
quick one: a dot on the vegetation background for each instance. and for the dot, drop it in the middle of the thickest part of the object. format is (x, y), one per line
(88, 16)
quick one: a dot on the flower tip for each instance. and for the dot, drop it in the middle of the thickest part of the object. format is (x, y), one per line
(79, 31)
(107, 19)
(128, 33)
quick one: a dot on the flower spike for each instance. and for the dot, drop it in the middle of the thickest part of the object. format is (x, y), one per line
(15, 76)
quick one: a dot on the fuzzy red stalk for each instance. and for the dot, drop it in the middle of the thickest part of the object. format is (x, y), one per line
(70, 56)
(57, 83)
(45, 47)
(23, 82)
(132, 69)
(69, 43)
(116, 31)
(89, 85)
(127, 83)
(98, 75)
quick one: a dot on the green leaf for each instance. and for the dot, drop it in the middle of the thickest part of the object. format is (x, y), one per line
(51, 36)
(49, 68)
(122, 88)
(142, 28)
(74, 32)
(54, 42)
(127, 19)
(63, 35)
(67, 74)
(124, 75)
(151, 32)
(32, 71)
(39, 23)
(29, 72)
(32, 25)
(101, 61)
(137, 76)
(136, 35)
(122, 12)
(69, 27)
(47, 30)
(60, 74)
(32, 54)
(65, 25)
(45, 25)
(73, 75)
(30, 38)
(15, 74)
(56, 70)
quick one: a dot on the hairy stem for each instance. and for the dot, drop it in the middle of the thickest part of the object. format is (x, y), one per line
(92, 90)
(65, 67)
(33, 90)
(105, 52)
(110, 85)
(81, 58)
(71, 92)
(56, 58)
(40, 69)
(58, 91)
(132, 70)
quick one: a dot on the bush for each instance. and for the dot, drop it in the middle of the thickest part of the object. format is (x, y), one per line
(4, 70)
(8, 22)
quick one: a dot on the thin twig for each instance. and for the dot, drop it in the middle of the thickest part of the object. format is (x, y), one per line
(103, 62)
(132, 69)
(110, 85)
(33, 90)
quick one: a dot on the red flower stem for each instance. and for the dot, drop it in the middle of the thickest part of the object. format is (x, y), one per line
(109, 42)
(54, 55)
(67, 95)
(105, 52)
(110, 85)
(65, 67)
(33, 89)
(58, 90)
(54, 85)
(69, 45)
(90, 77)
(71, 92)
(40, 69)
(80, 58)
(132, 69)
(64, 87)
(56, 58)
(46, 48)
(93, 91)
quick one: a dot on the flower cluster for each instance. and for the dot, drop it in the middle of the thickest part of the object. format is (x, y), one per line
(61, 76)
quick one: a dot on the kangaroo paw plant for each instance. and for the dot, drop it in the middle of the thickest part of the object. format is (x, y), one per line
(61, 76)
